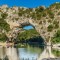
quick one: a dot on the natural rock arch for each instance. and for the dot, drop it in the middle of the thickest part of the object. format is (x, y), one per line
(41, 29)
(46, 21)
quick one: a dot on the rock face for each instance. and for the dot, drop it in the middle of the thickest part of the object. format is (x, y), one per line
(45, 20)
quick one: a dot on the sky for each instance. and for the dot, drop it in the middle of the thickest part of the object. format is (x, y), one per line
(28, 27)
(28, 3)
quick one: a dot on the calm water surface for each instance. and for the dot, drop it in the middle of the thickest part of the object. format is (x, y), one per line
(30, 52)
(23, 52)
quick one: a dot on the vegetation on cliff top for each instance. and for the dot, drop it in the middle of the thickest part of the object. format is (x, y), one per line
(34, 13)
(39, 12)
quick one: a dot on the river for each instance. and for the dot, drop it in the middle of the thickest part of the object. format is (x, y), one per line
(27, 52)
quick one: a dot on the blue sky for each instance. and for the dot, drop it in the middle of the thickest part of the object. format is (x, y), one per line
(28, 3)
(28, 27)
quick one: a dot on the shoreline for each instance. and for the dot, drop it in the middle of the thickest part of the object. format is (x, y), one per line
(4, 44)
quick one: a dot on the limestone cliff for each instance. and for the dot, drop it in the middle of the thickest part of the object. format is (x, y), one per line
(45, 20)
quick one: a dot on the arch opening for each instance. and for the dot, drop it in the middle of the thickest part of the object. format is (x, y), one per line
(30, 36)
(28, 27)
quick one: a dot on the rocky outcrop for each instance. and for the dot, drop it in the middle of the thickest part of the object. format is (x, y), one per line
(46, 21)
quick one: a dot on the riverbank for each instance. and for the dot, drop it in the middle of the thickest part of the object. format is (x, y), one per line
(4, 44)
(56, 46)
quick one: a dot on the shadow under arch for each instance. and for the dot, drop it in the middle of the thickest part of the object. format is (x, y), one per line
(35, 38)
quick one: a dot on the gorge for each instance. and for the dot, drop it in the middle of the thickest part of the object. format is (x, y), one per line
(46, 21)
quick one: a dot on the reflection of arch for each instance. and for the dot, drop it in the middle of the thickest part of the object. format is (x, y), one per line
(46, 54)
(12, 53)
(2, 53)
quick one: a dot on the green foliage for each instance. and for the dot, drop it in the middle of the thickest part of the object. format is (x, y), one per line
(50, 28)
(56, 5)
(44, 14)
(21, 12)
(58, 13)
(57, 34)
(27, 34)
(38, 16)
(56, 24)
(40, 22)
(33, 15)
(38, 13)
(56, 38)
(3, 37)
(39, 9)
(4, 15)
(50, 13)
(4, 25)
(56, 53)
(49, 21)
(30, 13)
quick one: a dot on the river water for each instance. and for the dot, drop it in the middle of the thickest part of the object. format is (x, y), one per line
(25, 52)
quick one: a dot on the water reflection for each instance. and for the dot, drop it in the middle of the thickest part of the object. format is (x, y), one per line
(12, 53)
(8, 53)
(27, 53)
(30, 52)
(2, 53)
